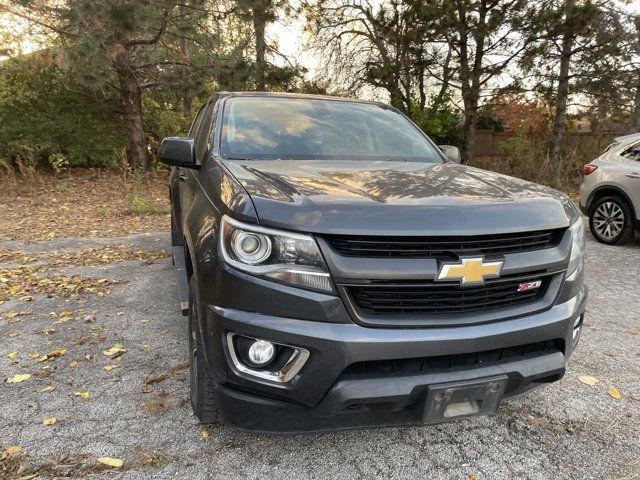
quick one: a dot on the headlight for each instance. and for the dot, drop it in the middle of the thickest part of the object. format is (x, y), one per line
(286, 257)
(577, 247)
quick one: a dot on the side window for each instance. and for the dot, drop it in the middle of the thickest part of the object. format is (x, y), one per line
(204, 132)
(196, 122)
(632, 153)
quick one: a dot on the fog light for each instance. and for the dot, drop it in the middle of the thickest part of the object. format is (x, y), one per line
(261, 352)
(577, 329)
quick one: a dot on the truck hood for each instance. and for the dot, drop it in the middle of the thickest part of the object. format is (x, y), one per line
(401, 198)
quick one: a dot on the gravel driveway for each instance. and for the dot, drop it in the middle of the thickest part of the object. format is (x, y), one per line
(138, 411)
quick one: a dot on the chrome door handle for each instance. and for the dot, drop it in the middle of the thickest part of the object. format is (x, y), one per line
(633, 175)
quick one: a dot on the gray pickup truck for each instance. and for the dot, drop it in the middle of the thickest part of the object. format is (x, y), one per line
(340, 270)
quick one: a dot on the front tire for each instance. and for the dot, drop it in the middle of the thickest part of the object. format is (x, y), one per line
(203, 385)
(610, 221)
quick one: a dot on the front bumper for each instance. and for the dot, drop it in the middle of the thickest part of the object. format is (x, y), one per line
(322, 397)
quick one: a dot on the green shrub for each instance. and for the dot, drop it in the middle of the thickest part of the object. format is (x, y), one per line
(46, 123)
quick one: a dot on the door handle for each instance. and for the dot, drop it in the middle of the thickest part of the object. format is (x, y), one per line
(633, 175)
(182, 177)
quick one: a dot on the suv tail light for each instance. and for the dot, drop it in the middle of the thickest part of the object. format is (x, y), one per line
(587, 169)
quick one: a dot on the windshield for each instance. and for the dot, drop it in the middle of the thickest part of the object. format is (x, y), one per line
(309, 129)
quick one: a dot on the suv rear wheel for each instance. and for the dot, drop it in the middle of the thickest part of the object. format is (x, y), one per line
(610, 221)
(203, 385)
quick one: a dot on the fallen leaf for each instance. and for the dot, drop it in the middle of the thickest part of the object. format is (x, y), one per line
(108, 368)
(58, 352)
(13, 334)
(12, 355)
(73, 364)
(66, 314)
(157, 378)
(21, 377)
(588, 380)
(116, 348)
(204, 434)
(144, 321)
(49, 421)
(146, 389)
(112, 462)
(615, 393)
(49, 388)
(81, 394)
(11, 450)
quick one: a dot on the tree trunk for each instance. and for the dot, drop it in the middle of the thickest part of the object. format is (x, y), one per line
(634, 119)
(259, 25)
(562, 94)
(131, 98)
(187, 98)
(469, 129)
(470, 71)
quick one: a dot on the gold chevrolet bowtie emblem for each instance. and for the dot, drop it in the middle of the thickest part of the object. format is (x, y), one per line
(470, 271)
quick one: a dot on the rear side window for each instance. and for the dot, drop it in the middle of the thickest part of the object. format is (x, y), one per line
(632, 153)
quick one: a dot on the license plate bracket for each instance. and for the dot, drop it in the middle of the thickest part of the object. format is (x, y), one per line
(450, 401)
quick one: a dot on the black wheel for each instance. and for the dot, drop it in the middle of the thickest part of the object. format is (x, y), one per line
(610, 221)
(203, 385)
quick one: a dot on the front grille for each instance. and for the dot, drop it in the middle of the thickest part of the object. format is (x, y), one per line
(431, 297)
(437, 364)
(425, 247)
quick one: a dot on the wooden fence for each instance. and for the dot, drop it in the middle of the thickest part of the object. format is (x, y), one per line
(496, 144)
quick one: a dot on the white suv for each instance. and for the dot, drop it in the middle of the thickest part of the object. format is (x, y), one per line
(610, 191)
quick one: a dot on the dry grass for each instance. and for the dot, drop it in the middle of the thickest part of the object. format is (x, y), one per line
(530, 161)
(85, 203)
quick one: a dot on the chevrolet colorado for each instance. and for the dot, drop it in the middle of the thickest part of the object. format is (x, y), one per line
(339, 270)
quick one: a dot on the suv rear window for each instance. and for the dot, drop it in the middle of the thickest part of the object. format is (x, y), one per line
(632, 153)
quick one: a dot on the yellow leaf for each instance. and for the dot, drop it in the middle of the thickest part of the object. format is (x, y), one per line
(204, 434)
(144, 321)
(49, 421)
(112, 462)
(33, 355)
(116, 348)
(12, 355)
(73, 364)
(21, 377)
(66, 314)
(615, 393)
(588, 380)
(108, 368)
(12, 450)
(49, 388)
(58, 352)
(81, 394)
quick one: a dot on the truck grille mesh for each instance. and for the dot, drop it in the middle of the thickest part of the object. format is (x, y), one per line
(412, 366)
(431, 297)
(425, 247)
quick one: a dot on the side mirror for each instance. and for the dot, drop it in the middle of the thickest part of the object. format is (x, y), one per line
(452, 153)
(178, 152)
